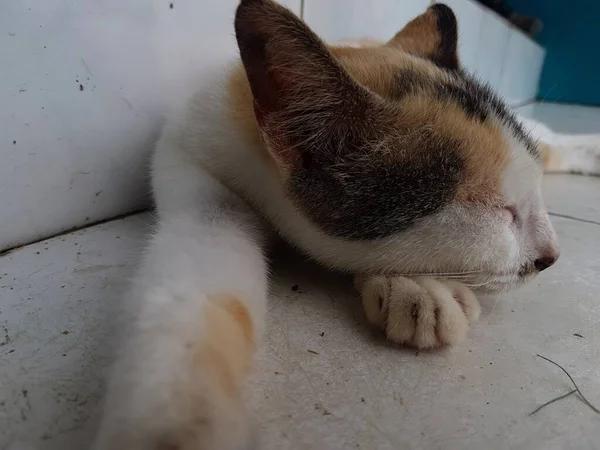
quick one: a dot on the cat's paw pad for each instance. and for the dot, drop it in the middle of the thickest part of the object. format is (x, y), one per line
(421, 312)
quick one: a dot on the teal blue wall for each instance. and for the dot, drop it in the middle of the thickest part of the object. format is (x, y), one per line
(571, 36)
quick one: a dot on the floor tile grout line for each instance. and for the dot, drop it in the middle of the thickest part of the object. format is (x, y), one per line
(73, 230)
(577, 219)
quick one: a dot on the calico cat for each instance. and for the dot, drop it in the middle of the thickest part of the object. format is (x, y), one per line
(387, 162)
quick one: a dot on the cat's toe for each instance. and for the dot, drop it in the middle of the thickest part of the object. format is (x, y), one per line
(466, 299)
(449, 322)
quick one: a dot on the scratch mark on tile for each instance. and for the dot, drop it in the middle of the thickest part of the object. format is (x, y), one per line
(127, 102)
(85, 66)
(96, 268)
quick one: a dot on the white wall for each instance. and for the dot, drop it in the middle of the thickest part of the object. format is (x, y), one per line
(85, 84)
(83, 89)
(469, 15)
(521, 68)
(337, 20)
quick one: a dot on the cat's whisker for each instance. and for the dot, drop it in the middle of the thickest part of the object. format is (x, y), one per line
(438, 274)
(455, 277)
(479, 284)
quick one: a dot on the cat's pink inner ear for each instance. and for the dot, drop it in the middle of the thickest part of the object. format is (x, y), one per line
(285, 61)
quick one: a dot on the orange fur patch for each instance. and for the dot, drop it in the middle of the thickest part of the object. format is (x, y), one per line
(227, 349)
(419, 36)
(550, 159)
(240, 105)
(241, 316)
(483, 148)
(376, 67)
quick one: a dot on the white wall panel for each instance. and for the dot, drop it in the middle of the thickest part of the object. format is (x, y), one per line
(521, 69)
(470, 17)
(84, 86)
(335, 20)
(491, 48)
(564, 118)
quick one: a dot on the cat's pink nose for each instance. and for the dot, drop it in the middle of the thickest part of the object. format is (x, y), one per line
(547, 259)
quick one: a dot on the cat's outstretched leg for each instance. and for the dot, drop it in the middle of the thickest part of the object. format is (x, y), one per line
(421, 312)
(198, 304)
(566, 153)
(577, 154)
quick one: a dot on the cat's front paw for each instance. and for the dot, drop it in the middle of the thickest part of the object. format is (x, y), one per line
(421, 312)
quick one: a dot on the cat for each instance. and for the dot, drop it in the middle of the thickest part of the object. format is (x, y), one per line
(387, 162)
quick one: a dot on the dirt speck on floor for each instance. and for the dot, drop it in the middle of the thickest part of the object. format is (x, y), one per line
(7, 338)
(319, 407)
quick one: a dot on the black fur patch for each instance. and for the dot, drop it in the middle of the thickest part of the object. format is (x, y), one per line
(469, 98)
(482, 98)
(348, 200)
(407, 82)
(446, 54)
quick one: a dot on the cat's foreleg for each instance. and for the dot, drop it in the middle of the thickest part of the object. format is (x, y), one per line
(577, 154)
(199, 305)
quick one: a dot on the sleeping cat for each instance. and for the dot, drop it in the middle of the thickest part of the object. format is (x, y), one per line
(387, 162)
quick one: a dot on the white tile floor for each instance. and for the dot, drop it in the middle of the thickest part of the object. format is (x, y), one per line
(324, 380)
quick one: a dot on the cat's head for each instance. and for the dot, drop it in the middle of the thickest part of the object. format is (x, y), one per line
(398, 160)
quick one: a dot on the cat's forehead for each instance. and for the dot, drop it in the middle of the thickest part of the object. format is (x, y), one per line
(395, 74)
(443, 109)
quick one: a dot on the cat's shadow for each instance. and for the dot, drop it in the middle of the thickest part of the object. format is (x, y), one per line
(321, 292)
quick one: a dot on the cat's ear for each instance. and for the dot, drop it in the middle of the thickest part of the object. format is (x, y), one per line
(432, 35)
(302, 95)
